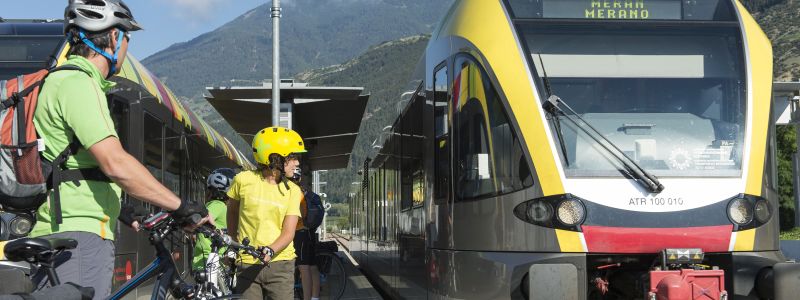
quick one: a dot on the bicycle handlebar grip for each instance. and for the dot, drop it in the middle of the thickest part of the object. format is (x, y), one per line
(229, 241)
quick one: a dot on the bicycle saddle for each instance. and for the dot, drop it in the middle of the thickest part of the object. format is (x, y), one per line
(29, 249)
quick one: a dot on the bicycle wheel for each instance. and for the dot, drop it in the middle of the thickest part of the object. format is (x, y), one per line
(333, 278)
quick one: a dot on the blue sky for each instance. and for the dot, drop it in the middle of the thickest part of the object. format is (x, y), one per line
(165, 21)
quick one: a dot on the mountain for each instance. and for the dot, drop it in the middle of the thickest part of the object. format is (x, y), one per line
(313, 34)
(779, 21)
(760, 5)
(383, 71)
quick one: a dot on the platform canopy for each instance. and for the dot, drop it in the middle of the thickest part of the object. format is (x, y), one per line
(785, 101)
(328, 118)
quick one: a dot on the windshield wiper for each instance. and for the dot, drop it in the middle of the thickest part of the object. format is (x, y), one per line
(647, 180)
(556, 120)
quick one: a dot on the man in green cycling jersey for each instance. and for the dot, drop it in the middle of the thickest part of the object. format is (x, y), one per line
(217, 185)
(73, 110)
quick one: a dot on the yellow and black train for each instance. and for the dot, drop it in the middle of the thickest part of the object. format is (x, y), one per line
(580, 149)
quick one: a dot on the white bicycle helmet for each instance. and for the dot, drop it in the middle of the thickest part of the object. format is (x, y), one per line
(220, 180)
(99, 15)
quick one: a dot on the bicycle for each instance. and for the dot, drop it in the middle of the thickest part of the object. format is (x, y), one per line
(218, 279)
(163, 268)
(332, 275)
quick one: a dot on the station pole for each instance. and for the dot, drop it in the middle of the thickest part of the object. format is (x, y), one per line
(794, 105)
(276, 63)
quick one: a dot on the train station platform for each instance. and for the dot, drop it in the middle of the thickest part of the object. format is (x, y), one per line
(358, 286)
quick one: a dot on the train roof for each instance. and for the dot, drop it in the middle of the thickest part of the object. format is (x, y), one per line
(134, 71)
(31, 27)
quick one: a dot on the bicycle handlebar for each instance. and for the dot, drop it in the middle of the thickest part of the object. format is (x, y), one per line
(226, 240)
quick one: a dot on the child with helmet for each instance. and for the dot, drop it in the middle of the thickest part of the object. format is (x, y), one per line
(217, 185)
(264, 206)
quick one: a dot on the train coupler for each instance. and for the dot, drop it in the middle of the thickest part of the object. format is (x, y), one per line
(687, 284)
(680, 277)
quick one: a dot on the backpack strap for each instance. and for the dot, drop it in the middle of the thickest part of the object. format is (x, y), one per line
(19, 112)
(22, 92)
(60, 173)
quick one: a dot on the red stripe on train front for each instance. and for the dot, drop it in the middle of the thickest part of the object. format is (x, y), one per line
(652, 240)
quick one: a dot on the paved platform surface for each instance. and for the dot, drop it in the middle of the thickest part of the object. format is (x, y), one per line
(791, 249)
(358, 287)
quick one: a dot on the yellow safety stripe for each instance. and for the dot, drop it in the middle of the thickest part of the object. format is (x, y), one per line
(745, 240)
(760, 66)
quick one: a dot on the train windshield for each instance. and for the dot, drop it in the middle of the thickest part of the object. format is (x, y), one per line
(26, 54)
(672, 98)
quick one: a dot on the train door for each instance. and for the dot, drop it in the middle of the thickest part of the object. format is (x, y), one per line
(411, 272)
(125, 265)
(441, 223)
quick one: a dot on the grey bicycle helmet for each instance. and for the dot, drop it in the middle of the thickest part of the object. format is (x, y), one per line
(99, 15)
(220, 179)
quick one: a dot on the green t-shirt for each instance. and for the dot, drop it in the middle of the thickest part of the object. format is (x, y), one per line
(202, 247)
(74, 105)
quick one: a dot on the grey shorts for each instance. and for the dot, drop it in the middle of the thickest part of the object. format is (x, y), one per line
(91, 264)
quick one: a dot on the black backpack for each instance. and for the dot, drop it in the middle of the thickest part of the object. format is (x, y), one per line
(315, 212)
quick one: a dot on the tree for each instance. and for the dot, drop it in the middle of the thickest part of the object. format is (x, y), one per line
(787, 146)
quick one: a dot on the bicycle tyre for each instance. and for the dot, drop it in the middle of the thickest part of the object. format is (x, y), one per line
(334, 277)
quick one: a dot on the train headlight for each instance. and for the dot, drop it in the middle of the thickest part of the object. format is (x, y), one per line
(571, 212)
(740, 211)
(540, 212)
(763, 211)
(565, 211)
(748, 211)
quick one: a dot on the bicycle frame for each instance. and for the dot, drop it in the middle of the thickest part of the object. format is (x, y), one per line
(213, 269)
(163, 267)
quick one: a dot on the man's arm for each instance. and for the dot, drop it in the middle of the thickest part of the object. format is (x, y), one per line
(233, 219)
(131, 175)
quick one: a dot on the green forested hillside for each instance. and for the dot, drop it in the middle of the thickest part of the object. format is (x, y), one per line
(781, 22)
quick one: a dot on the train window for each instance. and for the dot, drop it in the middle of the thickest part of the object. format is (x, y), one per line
(412, 149)
(672, 98)
(26, 54)
(173, 157)
(153, 145)
(441, 115)
(489, 158)
(118, 110)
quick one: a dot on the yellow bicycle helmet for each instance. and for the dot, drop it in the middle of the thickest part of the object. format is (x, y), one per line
(280, 140)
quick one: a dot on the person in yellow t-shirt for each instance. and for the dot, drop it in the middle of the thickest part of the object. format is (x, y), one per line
(264, 206)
